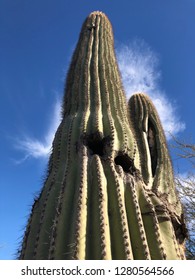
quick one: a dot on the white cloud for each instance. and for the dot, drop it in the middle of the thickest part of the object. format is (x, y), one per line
(35, 148)
(139, 67)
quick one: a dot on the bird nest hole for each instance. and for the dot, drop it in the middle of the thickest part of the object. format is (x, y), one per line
(125, 162)
(96, 144)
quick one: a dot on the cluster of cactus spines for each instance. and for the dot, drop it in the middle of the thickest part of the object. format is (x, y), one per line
(109, 193)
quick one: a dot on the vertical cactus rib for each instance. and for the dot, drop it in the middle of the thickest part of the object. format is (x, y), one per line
(62, 175)
(81, 220)
(151, 225)
(39, 208)
(107, 117)
(109, 191)
(103, 208)
(166, 229)
(136, 227)
(115, 92)
(66, 213)
(98, 220)
(95, 86)
(119, 231)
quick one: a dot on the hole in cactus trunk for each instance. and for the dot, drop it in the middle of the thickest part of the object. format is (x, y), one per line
(151, 137)
(96, 144)
(125, 162)
(180, 229)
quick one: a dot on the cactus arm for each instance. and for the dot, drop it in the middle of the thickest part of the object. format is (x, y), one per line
(157, 163)
(157, 169)
(138, 115)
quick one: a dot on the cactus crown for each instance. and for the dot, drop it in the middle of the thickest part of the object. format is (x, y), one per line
(109, 193)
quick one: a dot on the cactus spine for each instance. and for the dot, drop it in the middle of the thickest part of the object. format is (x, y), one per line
(105, 196)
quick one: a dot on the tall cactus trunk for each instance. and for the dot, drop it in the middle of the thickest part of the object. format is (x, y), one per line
(107, 195)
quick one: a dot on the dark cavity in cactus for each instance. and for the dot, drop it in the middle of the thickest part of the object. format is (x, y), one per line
(110, 191)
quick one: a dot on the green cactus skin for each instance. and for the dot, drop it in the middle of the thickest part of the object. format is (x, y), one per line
(94, 203)
(157, 171)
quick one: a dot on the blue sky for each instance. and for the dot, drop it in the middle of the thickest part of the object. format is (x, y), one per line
(154, 42)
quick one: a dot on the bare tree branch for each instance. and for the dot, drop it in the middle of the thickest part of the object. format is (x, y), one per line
(186, 188)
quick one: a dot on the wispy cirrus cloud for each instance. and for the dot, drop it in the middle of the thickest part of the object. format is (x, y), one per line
(139, 67)
(35, 148)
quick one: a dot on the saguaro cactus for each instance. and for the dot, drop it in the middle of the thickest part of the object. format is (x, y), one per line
(109, 193)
